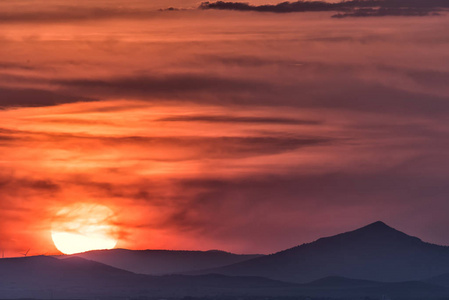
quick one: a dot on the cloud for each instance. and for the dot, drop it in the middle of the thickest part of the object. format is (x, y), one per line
(386, 11)
(86, 13)
(237, 119)
(433, 78)
(343, 90)
(161, 85)
(250, 61)
(62, 14)
(188, 148)
(217, 130)
(24, 212)
(227, 210)
(284, 7)
(353, 8)
(15, 97)
(169, 149)
(214, 191)
(5, 65)
(11, 183)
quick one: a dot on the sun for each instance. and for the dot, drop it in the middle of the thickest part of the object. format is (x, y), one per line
(84, 227)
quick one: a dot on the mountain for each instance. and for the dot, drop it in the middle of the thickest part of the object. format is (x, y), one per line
(375, 252)
(44, 277)
(159, 262)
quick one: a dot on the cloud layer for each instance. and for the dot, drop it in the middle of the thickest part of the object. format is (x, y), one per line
(207, 129)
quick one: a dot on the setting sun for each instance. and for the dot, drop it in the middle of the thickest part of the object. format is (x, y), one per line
(84, 227)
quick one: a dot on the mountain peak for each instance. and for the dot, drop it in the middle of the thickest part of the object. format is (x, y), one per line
(377, 231)
(378, 226)
(378, 223)
(375, 252)
(377, 234)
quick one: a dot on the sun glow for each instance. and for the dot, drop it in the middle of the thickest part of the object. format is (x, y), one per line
(84, 227)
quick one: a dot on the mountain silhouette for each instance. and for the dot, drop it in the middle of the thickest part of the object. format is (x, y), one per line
(370, 262)
(375, 252)
(160, 262)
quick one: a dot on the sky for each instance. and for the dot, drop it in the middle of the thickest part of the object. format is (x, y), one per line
(243, 131)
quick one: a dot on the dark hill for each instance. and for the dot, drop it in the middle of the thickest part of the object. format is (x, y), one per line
(375, 252)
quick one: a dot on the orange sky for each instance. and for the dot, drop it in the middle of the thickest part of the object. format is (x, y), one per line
(245, 132)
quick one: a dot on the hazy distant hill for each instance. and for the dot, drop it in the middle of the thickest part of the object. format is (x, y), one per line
(375, 252)
(342, 282)
(442, 280)
(77, 278)
(47, 277)
(158, 262)
(334, 286)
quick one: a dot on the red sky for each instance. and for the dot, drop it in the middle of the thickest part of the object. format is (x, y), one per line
(245, 132)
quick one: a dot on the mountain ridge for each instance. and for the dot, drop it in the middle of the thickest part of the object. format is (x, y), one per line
(374, 252)
(370, 261)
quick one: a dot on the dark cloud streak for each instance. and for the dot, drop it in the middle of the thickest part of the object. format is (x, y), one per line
(346, 91)
(235, 119)
(11, 97)
(64, 14)
(384, 12)
(358, 8)
(162, 84)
